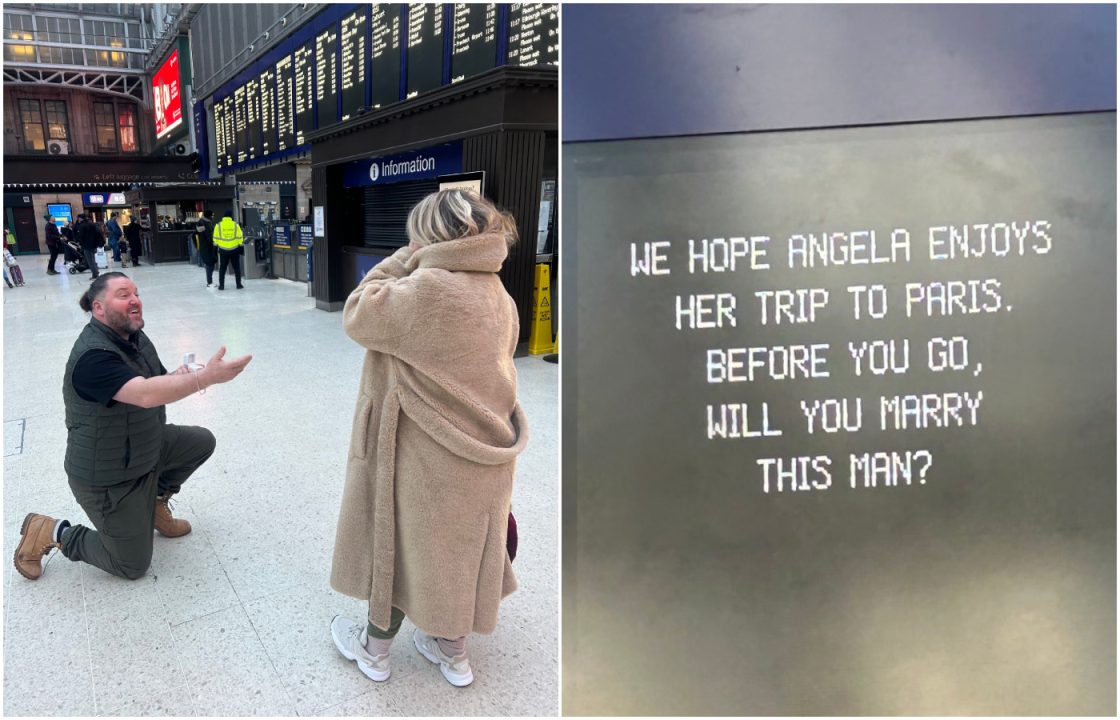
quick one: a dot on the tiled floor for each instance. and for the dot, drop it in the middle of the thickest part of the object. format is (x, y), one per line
(233, 618)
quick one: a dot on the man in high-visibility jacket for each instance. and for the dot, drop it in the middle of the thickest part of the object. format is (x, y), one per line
(230, 242)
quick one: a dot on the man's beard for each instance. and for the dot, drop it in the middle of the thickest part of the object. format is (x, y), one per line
(122, 323)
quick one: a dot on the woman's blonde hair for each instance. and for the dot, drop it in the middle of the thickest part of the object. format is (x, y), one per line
(452, 214)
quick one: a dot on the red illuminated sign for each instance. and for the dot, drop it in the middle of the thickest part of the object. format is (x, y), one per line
(165, 92)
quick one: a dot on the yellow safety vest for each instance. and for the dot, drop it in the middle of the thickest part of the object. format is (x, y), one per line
(227, 234)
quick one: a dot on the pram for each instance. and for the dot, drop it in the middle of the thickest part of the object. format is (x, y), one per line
(72, 256)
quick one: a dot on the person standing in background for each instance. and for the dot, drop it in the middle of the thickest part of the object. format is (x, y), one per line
(132, 235)
(204, 236)
(90, 238)
(54, 245)
(230, 241)
(115, 232)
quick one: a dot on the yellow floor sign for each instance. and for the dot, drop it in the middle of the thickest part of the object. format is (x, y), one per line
(540, 333)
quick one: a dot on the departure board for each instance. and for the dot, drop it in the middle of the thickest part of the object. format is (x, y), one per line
(326, 76)
(228, 121)
(474, 39)
(353, 56)
(304, 81)
(241, 124)
(534, 34)
(267, 84)
(385, 64)
(353, 60)
(425, 48)
(253, 118)
(219, 134)
(285, 119)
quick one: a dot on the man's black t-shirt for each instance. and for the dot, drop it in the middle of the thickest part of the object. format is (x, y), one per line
(100, 374)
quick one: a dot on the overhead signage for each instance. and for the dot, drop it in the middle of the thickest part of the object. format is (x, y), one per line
(385, 53)
(534, 34)
(89, 199)
(165, 95)
(350, 59)
(353, 62)
(430, 162)
(474, 39)
(425, 48)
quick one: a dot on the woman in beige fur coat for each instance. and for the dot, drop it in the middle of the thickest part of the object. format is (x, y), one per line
(437, 429)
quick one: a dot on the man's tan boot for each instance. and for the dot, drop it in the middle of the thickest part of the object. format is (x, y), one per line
(37, 539)
(167, 525)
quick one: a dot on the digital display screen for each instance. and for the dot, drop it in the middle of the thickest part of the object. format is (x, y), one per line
(474, 39)
(385, 63)
(425, 48)
(305, 90)
(873, 417)
(326, 76)
(357, 60)
(165, 96)
(253, 118)
(267, 85)
(285, 119)
(534, 34)
(228, 120)
(220, 133)
(354, 30)
(241, 124)
(60, 212)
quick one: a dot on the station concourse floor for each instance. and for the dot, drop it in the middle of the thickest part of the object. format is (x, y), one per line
(233, 619)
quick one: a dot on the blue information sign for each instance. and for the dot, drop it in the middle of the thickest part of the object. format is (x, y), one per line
(429, 162)
(306, 235)
(282, 237)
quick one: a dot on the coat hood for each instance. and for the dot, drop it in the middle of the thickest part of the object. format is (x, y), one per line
(473, 253)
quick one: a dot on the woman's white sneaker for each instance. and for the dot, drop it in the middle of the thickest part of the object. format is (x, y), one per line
(456, 669)
(350, 639)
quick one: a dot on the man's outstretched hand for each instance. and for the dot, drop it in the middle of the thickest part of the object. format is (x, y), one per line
(219, 370)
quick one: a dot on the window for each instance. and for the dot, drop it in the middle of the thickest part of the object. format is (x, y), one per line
(106, 33)
(60, 30)
(112, 59)
(126, 114)
(115, 127)
(18, 27)
(58, 125)
(34, 140)
(135, 38)
(105, 127)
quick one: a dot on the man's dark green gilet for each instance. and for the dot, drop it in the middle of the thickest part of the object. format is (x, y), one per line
(109, 445)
